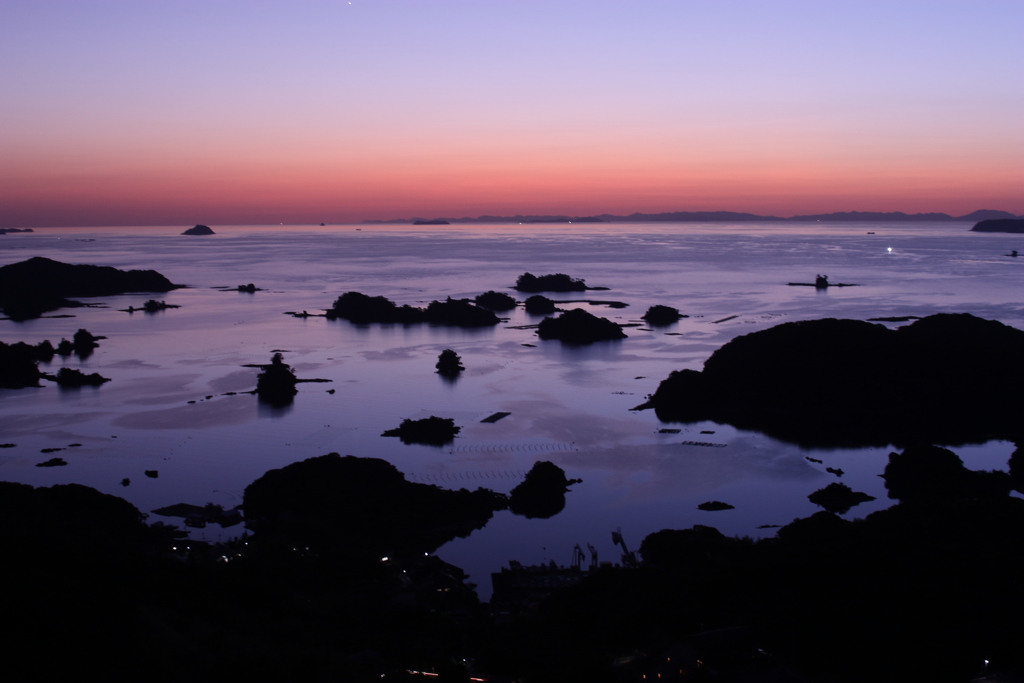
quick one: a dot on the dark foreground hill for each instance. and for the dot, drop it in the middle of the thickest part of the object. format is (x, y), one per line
(947, 378)
(30, 288)
(929, 588)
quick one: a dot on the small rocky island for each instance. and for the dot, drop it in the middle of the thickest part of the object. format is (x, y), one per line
(29, 289)
(199, 230)
(662, 316)
(19, 364)
(276, 384)
(557, 282)
(449, 364)
(362, 309)
(821, 282)
(1012, 225)
(430, 431)
(70, 378)
(495, 301)
(540, 305)
(946, 378)
(576, 326)
(838, 498)
(542, 493)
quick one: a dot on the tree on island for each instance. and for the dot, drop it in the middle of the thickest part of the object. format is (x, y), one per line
(276, 384)
(556, 282)
(660, 316)
(576, 326)
(449, 364)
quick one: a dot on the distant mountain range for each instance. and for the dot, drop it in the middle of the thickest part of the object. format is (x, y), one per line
(721, 217)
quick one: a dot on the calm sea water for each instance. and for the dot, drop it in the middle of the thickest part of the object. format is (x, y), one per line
(567, 405)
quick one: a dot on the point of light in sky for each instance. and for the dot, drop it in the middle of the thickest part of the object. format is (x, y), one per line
(232, 112)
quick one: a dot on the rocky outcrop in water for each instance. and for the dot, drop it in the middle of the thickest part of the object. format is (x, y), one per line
(459, 313)
(579, 327)
(838, 498)
(276, 384)
(19, 364)
(70, 378)
(946, 378)
(542, 493)
(430, 431)
(30, 288)
(661, 316)
(199, 230)
(495, 301)
(449, 364)
(556, 282)
(540, 305)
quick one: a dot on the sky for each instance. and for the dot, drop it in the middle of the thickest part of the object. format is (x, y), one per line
(162, 112)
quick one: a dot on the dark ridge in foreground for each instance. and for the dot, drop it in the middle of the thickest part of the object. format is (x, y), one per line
(946, 378)
(1014, 225)
(333, 585)
(576, 326)
(30, 288)
(361, 309)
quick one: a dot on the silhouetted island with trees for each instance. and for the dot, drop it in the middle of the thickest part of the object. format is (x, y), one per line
(949, 378)
(539, 304)
(541, 494)
(275, 385)
(662, 316)
(557, 282)
(28, 289)
(449, 364)
(430, 431)
(72, 377)
(362, 309)
(838, 498)
(576, 326)
(495, 301)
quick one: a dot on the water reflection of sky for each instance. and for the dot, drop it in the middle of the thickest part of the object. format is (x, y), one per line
(567, 405)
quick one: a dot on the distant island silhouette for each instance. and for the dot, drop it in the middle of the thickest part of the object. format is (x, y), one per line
(199, 230)
(713, 217)
(1015, 225)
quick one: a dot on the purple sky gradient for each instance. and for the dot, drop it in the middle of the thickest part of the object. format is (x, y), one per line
(265, 112)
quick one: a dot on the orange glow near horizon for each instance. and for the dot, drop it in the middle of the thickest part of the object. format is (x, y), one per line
(177, 113)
